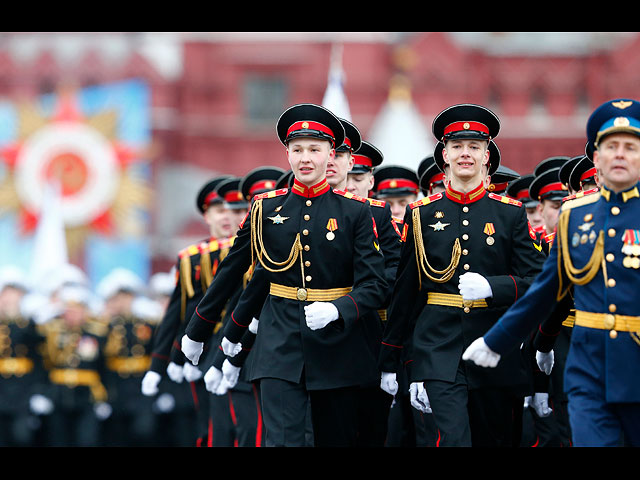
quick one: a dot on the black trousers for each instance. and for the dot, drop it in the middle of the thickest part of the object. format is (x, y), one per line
(484, 417)
(286, 407)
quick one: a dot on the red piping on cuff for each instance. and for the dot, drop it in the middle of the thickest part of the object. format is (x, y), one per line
(354, 302)
(547, 334)
(198, 313)
(516, 285)
(239, 324)
(391, 345)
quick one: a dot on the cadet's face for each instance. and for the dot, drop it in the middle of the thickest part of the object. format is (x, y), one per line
(617, 160)
(534, 216)
(308, 158)
(549, 210)
(399, 204)
(466, 158)
(237, 215)
(10, 298)
(218, 218)
(338, 168)
(360, 183)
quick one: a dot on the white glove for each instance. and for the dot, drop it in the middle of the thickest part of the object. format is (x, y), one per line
(40, 405)
(175, 372)
(192, 350)
(480, 354)
(527, 401)
(541, 404)
(102, 410)
(545, 361)
(165, 403)
(230, 373)
(253, 326)
(474, 286)
(320, 314)
(191, 372)
(230, 349)
(223, 387)
(150, 383)
(418, 397)
(212, 379)
(388, 383)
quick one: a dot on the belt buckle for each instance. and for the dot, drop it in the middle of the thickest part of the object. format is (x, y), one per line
(467, 303)
(301, 294)
(609, 321)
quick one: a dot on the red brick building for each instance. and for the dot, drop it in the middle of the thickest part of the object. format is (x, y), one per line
(215, 96)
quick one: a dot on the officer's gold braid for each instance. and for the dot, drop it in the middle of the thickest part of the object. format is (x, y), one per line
(564, 259)
(421, 257)
(257, 246)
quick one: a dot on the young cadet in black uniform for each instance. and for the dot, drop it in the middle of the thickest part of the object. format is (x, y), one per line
(375, 402)
(308, 330)
(603, 391)
(468, 256)
(195, 267)
(518, 189)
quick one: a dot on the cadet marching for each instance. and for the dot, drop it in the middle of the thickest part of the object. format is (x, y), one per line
(349, 302)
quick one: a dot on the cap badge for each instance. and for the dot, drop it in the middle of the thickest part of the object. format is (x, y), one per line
(393, 184)
(466, 125)
(305, 124)
(621, 122)
(621, 104)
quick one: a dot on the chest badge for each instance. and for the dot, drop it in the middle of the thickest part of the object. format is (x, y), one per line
(439, 226)
(332, 225)
(278, 219)
(489, 230)
(631, 248)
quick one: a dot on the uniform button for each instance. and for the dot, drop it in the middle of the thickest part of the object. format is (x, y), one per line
(465, 222)
(466, 309)
(611, 282)
(615, 210)
(612, 308)
(307, 263)
(611, 232)
(308, 203)
(308, 278)
(610, 257)
(466, 266)
(307, 217)
(465, 252)
(613, 334)
(465, 236)
(306, 248)
(465, 209)
(305, 232)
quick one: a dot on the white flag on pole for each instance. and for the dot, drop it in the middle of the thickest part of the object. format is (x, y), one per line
(50, 245)
(334, 97)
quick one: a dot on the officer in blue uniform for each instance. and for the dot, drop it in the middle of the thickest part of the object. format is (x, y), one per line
(602, 386)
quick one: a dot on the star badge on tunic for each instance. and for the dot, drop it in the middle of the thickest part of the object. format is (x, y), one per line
(278, 219)
(439, 226)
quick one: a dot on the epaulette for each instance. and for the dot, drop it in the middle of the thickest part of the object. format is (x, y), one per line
(503, 199)
(579, 201)
(271, 194)
(580, 194)
(353, 196)
(217, 244)
(426, 200)
(376, 203)
(189, 251)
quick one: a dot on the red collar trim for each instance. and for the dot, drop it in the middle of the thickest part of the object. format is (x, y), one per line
(315, 190)
(459, 197)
